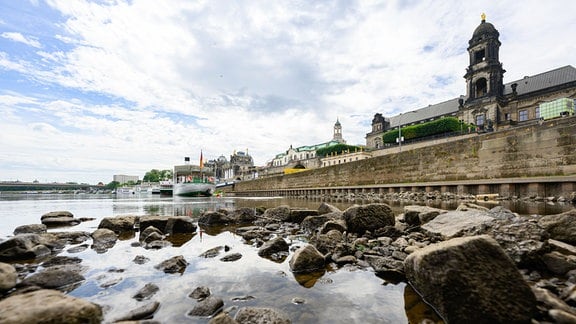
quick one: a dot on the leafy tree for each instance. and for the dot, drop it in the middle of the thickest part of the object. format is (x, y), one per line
(337, 149)
(439, 126)
(155, 175)
(112, 185)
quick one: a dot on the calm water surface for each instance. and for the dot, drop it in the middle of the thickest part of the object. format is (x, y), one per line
(336, 296)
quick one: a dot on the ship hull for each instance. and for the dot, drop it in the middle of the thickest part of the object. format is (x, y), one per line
(193, 189)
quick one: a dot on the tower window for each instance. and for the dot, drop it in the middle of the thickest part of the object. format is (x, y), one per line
(481, 87)
(479, 56)
(523, 115)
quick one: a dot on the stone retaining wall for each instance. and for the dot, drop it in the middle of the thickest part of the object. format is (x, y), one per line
(545, 149)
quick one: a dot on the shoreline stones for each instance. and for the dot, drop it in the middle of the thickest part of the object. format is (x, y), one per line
(505, 267)
(458, 277)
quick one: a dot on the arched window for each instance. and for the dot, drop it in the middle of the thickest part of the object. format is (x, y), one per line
(481, 87)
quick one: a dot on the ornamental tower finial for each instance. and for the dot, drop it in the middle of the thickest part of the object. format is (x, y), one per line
(483, 17)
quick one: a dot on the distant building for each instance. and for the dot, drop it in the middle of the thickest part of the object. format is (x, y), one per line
(302, 157)
(240, 167)
(345, 157)
(489, 103)
(121, 178)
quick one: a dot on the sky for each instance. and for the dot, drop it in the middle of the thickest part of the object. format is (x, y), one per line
(89, 89)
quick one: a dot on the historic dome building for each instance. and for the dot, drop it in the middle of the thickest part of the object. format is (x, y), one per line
(489, 103)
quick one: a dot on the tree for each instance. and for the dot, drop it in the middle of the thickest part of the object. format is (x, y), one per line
(155, 175)
(337, 149)
(112, 185)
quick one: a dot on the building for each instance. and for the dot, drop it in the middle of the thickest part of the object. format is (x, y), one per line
(240, 167)
(122, 178)
(489, 103)
(303, 157)
(345, 157)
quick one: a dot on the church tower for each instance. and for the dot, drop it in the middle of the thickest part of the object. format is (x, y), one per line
(338, 132)
(484, 75)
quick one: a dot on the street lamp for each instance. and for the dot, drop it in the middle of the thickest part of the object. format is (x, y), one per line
(400, 130)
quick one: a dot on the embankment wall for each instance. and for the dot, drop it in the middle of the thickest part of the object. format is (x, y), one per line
(542, 149)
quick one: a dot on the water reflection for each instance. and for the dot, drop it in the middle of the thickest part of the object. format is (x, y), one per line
(308, 280)
(335, 296)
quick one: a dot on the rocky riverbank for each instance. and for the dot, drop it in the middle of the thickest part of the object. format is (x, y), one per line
(472, 264)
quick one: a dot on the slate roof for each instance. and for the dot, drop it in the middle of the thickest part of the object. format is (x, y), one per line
(526, 85)
(542, 81)
(440, 109)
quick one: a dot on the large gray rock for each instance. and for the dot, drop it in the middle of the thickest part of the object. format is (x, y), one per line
(207, 306)
(146, 292)
(214, 218)
(314, 223)
(256, 315)
(244, 215)
(455, 223)
(522, 239)
(307, 259)
(471, 280)
(371, 217)
(8, 276)
(59, 219)
(176, 264)
(25, 247)
(561, 227)
(143, 312)
(415, 215)
(103, 239)
(327, 243)
(48, 306)
(280, 213)
(55, 278)
(298, 215)
(168, 224)
(119, 223)
(326, 208)
(31, 228)
(273, 246)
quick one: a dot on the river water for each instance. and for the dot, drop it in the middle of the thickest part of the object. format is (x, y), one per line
(338, 296)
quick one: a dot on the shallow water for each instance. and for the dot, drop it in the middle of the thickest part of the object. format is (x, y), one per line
(336, 296)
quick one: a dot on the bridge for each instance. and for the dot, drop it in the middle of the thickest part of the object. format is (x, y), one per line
(12, 186)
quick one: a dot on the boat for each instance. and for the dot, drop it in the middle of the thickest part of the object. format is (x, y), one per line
(165, 188)
(193, 180)
(124, 191)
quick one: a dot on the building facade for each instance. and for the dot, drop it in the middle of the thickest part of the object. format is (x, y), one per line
(303, 157)
(122, 178)
(240, 167)
(489, 103)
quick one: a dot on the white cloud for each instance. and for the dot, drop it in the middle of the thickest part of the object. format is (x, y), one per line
(17, 37)
(132, 85)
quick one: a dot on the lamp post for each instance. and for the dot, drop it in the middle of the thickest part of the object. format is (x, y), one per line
(400, 130)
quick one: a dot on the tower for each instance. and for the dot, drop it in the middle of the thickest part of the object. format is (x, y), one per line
(484, 75)
(338, 132)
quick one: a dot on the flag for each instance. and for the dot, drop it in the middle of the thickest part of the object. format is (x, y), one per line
(201, 161)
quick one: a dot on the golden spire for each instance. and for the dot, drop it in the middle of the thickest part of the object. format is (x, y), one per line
(483, 16)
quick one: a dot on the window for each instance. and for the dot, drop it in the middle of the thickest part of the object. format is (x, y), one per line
(507, 116)
(537, 113)
(479, 56)
(480, 120)
(481, 87)
(523, 115)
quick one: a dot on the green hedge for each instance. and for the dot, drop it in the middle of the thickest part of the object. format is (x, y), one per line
(439, 126)
(337, 149)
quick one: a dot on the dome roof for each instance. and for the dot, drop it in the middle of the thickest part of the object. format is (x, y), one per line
(484, 28)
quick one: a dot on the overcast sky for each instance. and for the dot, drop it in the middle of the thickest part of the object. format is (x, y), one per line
(89, 89)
